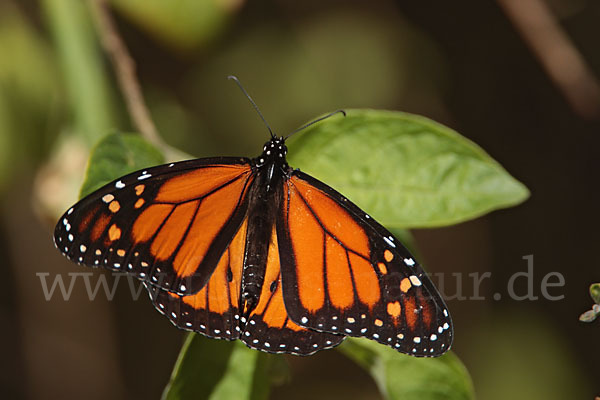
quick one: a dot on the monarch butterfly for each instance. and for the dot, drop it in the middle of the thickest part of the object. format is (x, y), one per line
(252, 249)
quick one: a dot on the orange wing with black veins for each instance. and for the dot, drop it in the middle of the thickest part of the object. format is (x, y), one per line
(214, 310)
(269, 327)
(344, 273)
(168, 225)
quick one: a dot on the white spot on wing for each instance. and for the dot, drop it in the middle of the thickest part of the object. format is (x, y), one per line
(409, 261)
(389, 242)
(415, 281)
(119, 185)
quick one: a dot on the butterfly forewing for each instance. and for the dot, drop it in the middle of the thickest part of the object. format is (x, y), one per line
(168, 225)
(344, 273)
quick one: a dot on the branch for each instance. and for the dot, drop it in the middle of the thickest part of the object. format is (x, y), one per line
(124, 67)
(557, 54)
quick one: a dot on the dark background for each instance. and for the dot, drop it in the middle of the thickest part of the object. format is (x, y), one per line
(464, 64)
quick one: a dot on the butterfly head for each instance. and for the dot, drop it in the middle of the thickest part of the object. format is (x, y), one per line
(274, 152)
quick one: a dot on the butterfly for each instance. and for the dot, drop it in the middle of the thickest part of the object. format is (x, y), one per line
(252, 249)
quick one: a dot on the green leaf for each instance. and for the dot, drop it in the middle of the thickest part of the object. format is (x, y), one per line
(116, 155)
(201, 364)
(405, 170)
(595, 292)
(219, 370)
(399, 376)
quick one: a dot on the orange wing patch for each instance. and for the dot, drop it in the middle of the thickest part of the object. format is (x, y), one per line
(85, 221)
(146, 225)
(333, 217)
(198, 183)
(308, 248)
(214, 211)
(99, 227)
(339, 278)
(172, 232)
(114, 233)
(365, 279)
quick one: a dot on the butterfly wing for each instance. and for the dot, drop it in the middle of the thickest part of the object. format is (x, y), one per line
(342, 272)
(269, 327)
(214, 310)
(168, 225)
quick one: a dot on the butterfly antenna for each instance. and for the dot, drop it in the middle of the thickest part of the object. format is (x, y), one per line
(316, 120)
(237, 81)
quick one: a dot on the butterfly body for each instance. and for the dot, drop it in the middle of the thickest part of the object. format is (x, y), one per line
(264, 199)
(251, 249)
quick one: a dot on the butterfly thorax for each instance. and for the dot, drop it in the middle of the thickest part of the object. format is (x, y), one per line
(273, 161)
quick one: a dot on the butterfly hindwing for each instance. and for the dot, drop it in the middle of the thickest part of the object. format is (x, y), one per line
(269, 328)
(168, 225)
(344, 273)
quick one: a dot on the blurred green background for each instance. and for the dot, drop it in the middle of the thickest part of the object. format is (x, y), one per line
(464, 64)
